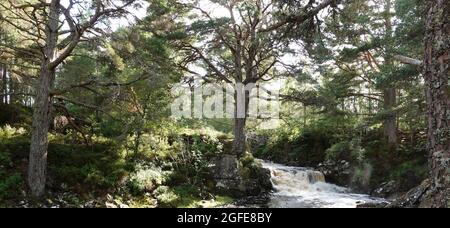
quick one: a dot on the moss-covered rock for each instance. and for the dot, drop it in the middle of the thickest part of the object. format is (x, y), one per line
(239, 177)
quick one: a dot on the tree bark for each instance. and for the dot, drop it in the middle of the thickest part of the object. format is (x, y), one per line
(390, 122)
(42, 109)
(11, 89)
(240, 137)
(3, 72)
(436, 73)
(390, 94)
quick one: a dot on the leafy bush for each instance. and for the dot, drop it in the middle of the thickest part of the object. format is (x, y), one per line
(306, 148)
(88, 168)
(166, 197)
(409, 173)
(9, 185)
(7, 132)
(339, 151)
(5, 158)
(146, 179)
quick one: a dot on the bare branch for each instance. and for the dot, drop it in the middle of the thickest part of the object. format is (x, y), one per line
(407, 60)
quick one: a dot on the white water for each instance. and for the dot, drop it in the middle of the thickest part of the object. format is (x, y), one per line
(297, 187)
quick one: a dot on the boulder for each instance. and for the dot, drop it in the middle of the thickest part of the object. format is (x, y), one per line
(336, 172)
(373, 205)
(225, 172)
(236, 178)
(413, 198)
(386, 189)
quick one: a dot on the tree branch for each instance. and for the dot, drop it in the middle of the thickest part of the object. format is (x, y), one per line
(300, 18)
(408, 60)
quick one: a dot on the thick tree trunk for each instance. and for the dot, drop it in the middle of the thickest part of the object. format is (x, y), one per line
(39, 131)
(42, 109)
(390, 121)
(390, 94)
(436, 73)
(240, 137)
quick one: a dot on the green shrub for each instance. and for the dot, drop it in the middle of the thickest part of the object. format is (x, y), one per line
(146, 179)
(83, 168)
(409, 173)
(10, 185)
(166, 197)
(339, 151)
(5, 158)
(306, 148)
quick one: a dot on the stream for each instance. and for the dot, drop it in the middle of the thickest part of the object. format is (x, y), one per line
(297, 187)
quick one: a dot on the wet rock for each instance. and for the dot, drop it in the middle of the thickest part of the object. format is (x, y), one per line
(256, 180)
(336, 172)
(412, 198)
(386, 189)
(260, 201)
(373, 205)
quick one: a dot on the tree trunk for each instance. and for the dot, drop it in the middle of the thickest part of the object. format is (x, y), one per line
(240, 137)
(390, 121)
(42, 109)
(390, 94)
(436, 73)
(4, 91)
(11, 89)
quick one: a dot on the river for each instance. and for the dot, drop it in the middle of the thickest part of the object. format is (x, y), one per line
(297, 187)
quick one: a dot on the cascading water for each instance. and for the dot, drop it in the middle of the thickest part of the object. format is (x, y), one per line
(297, 187)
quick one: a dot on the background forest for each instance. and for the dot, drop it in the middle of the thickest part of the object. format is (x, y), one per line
(86, 89)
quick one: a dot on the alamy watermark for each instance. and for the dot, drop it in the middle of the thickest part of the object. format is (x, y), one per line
(211, 101)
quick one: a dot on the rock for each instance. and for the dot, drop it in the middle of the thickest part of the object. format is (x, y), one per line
(386, 189)
(412, 198)
(408, 181)
(89, 204)
(372, 205)
(257, 180)
(124, 206)
(236, 178)
(336, 172)
(110, 205)
(225, 172)
(255, 141)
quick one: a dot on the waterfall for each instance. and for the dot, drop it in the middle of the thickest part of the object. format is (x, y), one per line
(306, 188)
